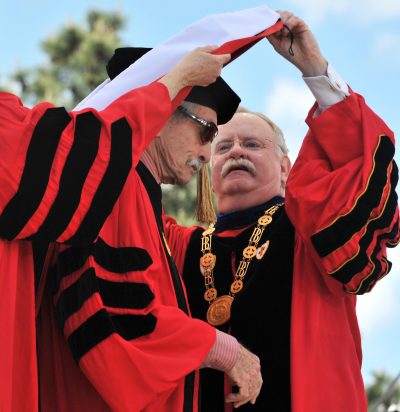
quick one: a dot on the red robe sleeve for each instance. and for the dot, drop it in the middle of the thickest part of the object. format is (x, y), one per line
(341, 193)
(61, 173)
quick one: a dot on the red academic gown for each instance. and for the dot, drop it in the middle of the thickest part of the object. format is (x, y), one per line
(112, 330)
(343, 213)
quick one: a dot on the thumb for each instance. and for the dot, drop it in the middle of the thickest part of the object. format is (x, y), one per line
(208, 49)
(224, 58)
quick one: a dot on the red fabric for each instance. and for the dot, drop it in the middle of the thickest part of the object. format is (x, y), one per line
(331, 172)
(18, 371)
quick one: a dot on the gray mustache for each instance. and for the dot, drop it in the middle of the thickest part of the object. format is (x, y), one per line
(238, 163)
(195, 163)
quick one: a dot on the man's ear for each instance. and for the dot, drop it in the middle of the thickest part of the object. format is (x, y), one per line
(286, 165)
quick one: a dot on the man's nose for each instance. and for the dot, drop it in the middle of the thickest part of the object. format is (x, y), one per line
(236, 151)
(205, 153)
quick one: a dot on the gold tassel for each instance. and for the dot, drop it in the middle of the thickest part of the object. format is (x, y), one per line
(205, 212)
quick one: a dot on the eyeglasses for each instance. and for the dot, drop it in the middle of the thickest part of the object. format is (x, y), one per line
(209, 130)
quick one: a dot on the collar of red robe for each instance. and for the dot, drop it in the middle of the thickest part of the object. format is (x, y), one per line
(242, 218)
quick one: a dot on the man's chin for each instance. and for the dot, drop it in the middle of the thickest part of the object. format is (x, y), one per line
(183, 180)
(235, 185)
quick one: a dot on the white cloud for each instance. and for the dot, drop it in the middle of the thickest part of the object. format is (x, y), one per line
(287, 104)
(360, 10)
(314, 11)
(373, 10)
(381, 307)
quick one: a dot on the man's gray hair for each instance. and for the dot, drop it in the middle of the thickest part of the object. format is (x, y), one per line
(280, 139)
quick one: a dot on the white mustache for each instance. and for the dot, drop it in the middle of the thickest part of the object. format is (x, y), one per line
(235, 163)
(195, 163)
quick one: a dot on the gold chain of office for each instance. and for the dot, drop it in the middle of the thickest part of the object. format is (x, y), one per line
(219, 311)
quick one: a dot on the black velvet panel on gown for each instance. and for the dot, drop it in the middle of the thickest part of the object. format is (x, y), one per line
(260, 312)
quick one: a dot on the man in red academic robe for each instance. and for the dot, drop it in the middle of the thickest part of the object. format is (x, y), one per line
(73, 178)
(282, 275)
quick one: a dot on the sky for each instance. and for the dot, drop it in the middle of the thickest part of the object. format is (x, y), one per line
(360, 38)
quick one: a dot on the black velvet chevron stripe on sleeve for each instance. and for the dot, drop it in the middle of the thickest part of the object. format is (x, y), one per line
(336, 235)
(68, 261)
(111, 185)
(360, 261)
(121, 259)
(35, 176)
(76, 169)
(113, 259)
(127, 295)
(101, 325)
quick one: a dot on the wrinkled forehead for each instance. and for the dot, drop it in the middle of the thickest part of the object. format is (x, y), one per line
(244, 126)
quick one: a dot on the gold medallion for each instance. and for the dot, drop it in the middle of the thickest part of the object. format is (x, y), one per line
(207, 260)
(210, 294)
(237, 286)
(265, 220)
(249, 252)
(262, 249)
(219, 311)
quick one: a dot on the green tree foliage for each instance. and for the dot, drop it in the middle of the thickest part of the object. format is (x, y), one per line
(77, 57)
(180, 202)
(382, 386)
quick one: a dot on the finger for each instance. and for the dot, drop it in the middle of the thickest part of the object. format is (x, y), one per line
(235, 397)
(239, 404)
(224, 58)
(208, 48)
(285, 15)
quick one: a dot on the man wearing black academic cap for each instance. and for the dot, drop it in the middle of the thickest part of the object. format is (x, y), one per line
(179, 151)
(120, 301)
(112, 290)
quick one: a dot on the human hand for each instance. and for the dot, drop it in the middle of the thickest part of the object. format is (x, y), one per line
(198, 68)
(307, 54)
(246, 374)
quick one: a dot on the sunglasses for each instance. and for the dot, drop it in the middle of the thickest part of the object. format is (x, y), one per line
(209, 130)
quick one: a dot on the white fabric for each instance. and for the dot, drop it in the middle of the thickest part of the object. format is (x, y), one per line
(212, 30)
(327, 90)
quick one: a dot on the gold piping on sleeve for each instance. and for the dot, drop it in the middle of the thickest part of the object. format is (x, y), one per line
(365, 189)
(354, 292)
(364, 227)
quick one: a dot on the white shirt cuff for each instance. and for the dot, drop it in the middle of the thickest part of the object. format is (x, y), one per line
(224, 354)
(327, 89)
